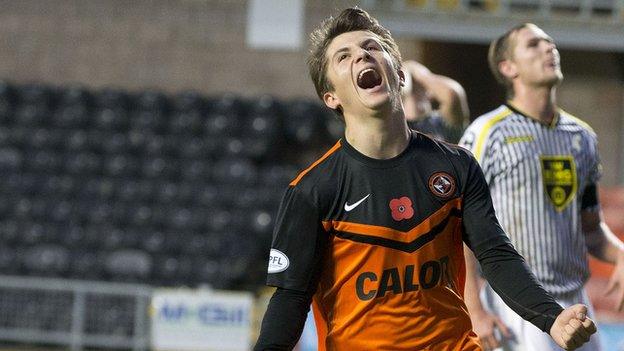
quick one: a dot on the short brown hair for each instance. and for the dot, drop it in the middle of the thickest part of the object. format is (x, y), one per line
(501, 50)
(349, 20)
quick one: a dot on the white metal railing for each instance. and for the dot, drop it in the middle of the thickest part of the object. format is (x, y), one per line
(75, 314)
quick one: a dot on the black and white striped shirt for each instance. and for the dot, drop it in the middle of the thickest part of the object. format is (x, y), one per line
(537, 175)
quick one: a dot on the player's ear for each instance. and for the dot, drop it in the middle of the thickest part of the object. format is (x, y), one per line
(508, 69)
(331, 100)
(401, 78)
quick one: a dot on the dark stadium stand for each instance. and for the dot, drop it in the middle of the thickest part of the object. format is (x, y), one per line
(145, 187)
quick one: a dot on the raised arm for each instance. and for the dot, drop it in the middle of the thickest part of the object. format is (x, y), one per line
(447, 92)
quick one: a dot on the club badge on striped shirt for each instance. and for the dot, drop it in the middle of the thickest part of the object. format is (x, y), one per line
(560, 181)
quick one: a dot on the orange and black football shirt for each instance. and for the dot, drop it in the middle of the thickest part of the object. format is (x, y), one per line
(380, 243)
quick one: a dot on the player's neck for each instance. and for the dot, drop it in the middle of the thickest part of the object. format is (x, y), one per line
(539, 104)
(378, 138)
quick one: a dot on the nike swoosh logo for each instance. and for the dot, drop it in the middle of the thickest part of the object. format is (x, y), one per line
(348, 207)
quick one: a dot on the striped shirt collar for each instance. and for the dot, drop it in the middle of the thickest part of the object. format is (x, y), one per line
(517, 111)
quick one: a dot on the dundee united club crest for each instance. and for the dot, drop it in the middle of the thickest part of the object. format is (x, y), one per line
(559, 177)
(442, 184)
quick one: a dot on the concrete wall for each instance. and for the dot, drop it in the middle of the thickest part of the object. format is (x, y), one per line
(167, 44)
(170, 45)
(174, 45)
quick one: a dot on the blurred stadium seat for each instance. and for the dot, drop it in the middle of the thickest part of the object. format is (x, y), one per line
(146, 187)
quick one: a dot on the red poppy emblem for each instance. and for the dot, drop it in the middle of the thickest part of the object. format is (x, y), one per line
(401, 208)
(442, 184)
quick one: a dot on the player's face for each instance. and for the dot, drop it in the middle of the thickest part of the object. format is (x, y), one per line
(535, 58)
(362, 73)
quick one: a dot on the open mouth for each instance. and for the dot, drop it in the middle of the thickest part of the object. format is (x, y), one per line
(368, 78)
(553, 63)
(552, 66)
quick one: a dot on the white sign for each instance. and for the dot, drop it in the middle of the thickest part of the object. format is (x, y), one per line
(275, 24)
(205, 320)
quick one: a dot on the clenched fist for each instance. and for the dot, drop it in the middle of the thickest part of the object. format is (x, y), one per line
(572, 328)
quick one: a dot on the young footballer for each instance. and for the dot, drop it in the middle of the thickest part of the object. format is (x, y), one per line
(372, 233)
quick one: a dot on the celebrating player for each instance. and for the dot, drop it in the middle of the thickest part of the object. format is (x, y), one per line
(372, 233)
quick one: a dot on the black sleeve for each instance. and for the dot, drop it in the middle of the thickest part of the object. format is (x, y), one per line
(502, 266)
(284, 320)
(590, 197)
(298, 242)
(481, 227)
(511, 278)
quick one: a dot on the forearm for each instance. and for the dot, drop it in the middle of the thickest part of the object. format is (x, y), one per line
(513, 281)
(473, 283)
(283, 321)
(449, 94)
(452, 101)
(604, 245)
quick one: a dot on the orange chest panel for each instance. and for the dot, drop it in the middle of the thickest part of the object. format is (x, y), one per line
(380, 284)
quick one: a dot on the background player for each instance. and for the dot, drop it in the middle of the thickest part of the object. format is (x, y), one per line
(373, 231)
(422, 89)
(542, 167)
